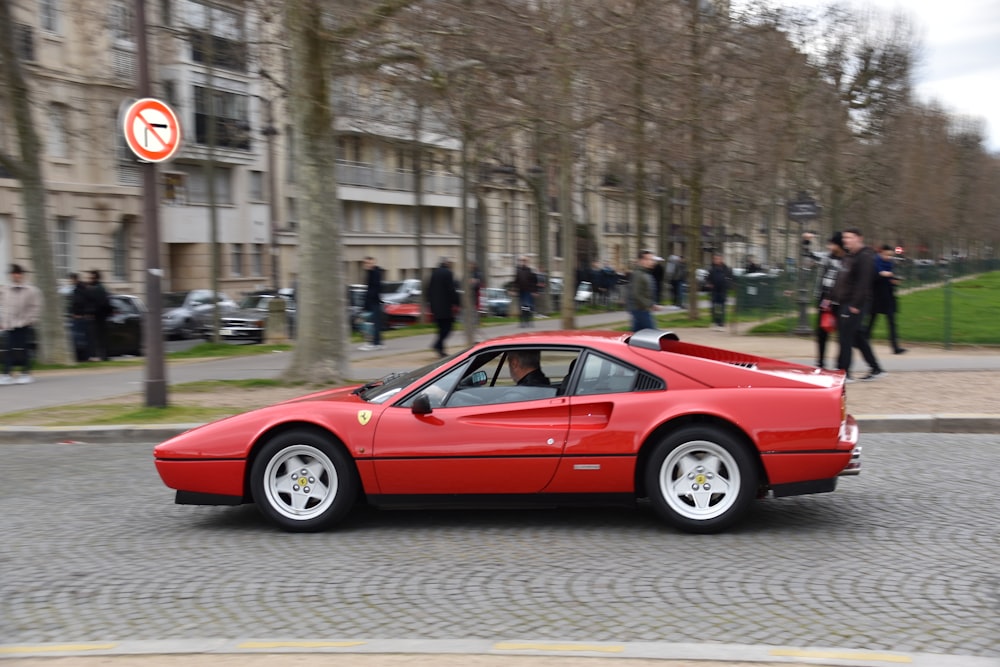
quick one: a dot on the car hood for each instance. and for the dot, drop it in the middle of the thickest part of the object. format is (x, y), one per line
(175, 312)
(232, 437)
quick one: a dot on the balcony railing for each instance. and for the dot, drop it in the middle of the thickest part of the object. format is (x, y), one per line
(368, 176)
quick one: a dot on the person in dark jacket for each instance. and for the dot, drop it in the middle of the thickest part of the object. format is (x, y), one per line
(526, 283)
(81, 311)
(373, 303)
(884, 297)
(442, 297)
(101, 308)
(718, 279)
(853, 295)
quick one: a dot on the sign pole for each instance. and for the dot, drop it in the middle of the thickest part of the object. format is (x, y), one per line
(802, 210)
(152, 331)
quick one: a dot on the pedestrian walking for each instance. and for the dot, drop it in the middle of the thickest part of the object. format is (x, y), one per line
(641, 293)
(20, 308)
(100, 306)
(828, 268)
(853, 295)
(719, 279)
(884, 297)
(80, 314)
(373, 303)
(678, 275)
(526, 283)
(442, 297)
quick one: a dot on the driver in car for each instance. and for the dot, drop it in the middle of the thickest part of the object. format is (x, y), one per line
(524, 368)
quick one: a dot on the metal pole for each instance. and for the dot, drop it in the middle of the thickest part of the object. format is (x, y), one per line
(156, 382)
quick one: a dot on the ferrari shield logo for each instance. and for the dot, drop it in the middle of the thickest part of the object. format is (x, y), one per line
(364, 416)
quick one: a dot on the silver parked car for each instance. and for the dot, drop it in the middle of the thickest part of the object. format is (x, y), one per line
(186, 314)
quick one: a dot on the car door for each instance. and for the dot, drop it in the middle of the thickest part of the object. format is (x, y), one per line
(123, 327)
(509, 446)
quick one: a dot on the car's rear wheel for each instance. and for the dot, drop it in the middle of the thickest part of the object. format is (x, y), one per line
(303, 482)
(701, 479)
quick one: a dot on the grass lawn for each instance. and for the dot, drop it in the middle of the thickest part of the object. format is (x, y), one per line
(966, 312)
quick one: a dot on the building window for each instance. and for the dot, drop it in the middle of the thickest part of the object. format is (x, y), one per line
(197, 185)
(237, 259)
(174, 188)
(216, 35)
(121, 23)
(257, 186)
(232, 122)
(24, 37)
(62, 245)
(58, 139)
(289, 155)
(257, 259)
(48, 15)
(119, 251)
(293, 213)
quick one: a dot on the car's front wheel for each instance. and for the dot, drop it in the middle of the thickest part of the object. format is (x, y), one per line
(701, 479)
(303, 482)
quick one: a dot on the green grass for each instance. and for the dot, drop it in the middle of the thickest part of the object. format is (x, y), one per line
(973, 317)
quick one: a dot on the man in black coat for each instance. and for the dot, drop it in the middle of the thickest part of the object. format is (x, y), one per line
(373, 303)
(525, 368)
(442, 297)
(853, 295)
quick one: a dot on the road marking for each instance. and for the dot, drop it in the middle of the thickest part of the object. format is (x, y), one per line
(594, 648)
(56, 648)
(840, 655)
(267, 645)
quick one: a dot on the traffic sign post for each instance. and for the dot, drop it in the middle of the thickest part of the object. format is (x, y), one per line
(801, 210)
(152, 130)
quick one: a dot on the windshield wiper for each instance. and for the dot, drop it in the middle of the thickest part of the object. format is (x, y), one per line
(375, 383)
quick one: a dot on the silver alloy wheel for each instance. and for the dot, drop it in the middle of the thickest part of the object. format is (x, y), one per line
(700, 480)
(300, 482)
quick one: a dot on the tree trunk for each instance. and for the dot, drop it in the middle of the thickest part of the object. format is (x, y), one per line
(54, 344)
(320, 353)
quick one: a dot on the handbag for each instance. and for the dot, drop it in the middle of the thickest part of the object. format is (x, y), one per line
(827, 321)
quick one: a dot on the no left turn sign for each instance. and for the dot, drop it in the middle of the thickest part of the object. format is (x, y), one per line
(152, 130)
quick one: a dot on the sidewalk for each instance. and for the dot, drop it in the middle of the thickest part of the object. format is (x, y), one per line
(929, 389)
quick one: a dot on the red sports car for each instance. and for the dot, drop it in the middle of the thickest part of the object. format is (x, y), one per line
(598, 416)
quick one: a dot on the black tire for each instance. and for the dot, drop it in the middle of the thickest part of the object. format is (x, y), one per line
(701, 479)
(303, 482)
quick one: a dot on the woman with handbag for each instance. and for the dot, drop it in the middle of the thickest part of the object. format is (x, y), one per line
(826, 318)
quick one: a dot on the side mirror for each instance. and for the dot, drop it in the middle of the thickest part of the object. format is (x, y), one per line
(422, 405)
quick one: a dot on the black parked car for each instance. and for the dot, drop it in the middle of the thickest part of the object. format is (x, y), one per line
(123, 326)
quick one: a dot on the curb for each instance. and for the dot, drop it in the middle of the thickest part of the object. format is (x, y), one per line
(71, 435)
(455, 652)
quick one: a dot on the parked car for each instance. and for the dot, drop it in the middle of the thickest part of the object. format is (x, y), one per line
(494, 301)
(185, 314)
(401, 291)
(123, 326)
(700, 432)
(356, 305)
(584, 293)
(249, 320)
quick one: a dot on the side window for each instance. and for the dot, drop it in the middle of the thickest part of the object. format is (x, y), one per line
(492, 378)
(601, 375)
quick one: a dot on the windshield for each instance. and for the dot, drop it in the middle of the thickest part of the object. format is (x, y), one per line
(253, 301)
(383, 389)
(174, 299)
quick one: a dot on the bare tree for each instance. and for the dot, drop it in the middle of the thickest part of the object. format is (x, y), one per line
(26, 167)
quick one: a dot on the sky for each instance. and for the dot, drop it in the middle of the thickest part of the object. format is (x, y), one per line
(960, 61)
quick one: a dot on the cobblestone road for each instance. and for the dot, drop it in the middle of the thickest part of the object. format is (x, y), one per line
(903, 557)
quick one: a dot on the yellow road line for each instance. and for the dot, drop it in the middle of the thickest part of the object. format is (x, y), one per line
(56, 648)
(841, 655)
(595, 648)
(262, 645)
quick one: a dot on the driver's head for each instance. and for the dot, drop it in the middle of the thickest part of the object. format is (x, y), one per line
(522, 362)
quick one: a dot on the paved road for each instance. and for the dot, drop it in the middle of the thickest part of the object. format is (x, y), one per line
(900, 559)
